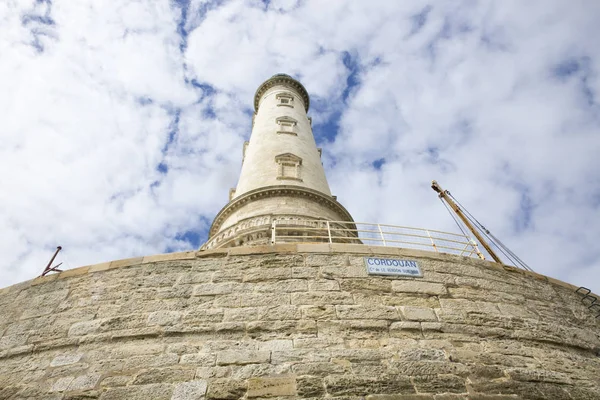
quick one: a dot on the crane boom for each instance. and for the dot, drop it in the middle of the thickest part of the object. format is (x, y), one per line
(443, 194)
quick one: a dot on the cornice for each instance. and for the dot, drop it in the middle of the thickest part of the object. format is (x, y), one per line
(281, 79)
(277, 191)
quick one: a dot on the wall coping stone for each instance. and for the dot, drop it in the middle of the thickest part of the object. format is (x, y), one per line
(283, 248)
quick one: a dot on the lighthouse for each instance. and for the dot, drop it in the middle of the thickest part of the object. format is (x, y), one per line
(290, 298)
(282, 182)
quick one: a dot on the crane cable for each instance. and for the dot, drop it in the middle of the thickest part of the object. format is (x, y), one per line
(454, 218)
(460, 226)
(495, 241)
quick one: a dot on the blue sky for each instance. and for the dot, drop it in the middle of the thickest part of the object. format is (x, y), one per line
(123, 123)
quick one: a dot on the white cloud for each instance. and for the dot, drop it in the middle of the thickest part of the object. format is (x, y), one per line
(120, 135)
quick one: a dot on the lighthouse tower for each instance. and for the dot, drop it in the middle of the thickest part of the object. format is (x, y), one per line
(282, 182)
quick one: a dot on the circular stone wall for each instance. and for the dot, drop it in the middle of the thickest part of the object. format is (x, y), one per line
(296, 321)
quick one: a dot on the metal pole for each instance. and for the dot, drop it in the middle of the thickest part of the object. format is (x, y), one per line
(444, 196)
(48, 268)
(432, 242)
(329, 232)
(273, 232)
(381, 233)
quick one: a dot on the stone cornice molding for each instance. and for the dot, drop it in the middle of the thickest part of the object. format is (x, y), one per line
(278, 191)
(281, 79)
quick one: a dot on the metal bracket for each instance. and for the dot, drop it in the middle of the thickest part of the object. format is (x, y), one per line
(586, 296)
(55, 268)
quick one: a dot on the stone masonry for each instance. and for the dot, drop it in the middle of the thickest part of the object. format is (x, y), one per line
(296, 321)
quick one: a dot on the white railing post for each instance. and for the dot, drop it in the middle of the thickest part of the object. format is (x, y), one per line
(479, 254)
(329, 232)
(381, 233)
(432, 242)
(273, 227)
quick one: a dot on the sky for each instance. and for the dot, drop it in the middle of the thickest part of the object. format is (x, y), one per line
(123, 121)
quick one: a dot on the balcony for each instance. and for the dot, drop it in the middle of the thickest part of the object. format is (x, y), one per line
(269, 229)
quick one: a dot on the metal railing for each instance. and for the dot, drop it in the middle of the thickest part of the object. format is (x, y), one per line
(323, 231)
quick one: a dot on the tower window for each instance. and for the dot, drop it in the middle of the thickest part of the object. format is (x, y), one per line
(285, 99)
(286, 125)
(288, 167)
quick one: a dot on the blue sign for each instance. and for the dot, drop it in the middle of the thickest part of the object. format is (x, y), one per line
(392, 266)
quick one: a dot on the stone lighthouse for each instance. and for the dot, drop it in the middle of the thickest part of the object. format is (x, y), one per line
(292, 299)
(282, 179)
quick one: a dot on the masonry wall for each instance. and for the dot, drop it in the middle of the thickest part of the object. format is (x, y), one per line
(296, 321)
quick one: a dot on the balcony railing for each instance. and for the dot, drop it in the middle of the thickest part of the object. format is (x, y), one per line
(267, 229)
(322, 231)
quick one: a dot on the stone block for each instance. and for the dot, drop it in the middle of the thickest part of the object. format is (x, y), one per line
(116, 381)
(469, 306)
(405, 329)
(322, 298)
(226, 389)
(310, 387)
(128, 262)
(353, 385)
(136, 349)
(318, 312)
(440, 384)
(319, 343)
(84, 382)
(290, 327)
(360, 355)
(203, 315)
(418, 314)
(164, 375)
(282, 286)
(319, 368)
(183, 255)
(267, 274)
(189, 278)
(351, 271)
(228, 275)
(65, 359)
(420, 368)
(12, 341)
(257, 370)
(62, 384)
(263, 299)
(538, 375)
(366, 312)
(353, 329)
(192, 390)
(85, 327)
(304, 272)
(366, 285)
(410, 299)
(271, 386)
(241, 357)
(212, 372)
(159, 391)
(421, 287)
(299, 356)
(278, 344)
(323, 285)
(211, 289)
(402, 397)
(164, 318)
(201, 359)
